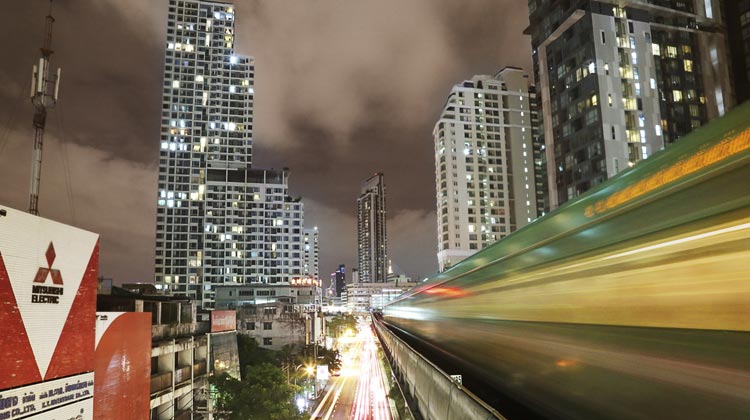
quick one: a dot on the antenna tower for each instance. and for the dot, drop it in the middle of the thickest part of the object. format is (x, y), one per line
(44, 91)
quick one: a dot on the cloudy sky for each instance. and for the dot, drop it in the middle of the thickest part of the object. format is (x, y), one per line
(344, 88)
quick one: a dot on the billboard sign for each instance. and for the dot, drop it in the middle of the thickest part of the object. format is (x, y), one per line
(48, 279)
(122, 339)
(223, 321)
(46, 397)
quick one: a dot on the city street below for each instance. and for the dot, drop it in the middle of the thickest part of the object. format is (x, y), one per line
(359, 392)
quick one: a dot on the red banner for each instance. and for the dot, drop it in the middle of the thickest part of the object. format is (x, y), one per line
(223, 321)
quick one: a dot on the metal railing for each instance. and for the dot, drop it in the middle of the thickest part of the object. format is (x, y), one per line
(435, 395)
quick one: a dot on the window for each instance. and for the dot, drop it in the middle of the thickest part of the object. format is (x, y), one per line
(267, 341)
(609, 99)
(688, 65)
(656, 50)
(267, 326)
(677, 95)
(604, 39)
(251, 326)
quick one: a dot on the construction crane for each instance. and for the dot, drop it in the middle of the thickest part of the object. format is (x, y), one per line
(44, 93)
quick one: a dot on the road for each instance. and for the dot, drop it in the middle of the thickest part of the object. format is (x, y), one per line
(358, 393)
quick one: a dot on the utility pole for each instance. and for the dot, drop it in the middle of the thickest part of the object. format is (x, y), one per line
(44, 91)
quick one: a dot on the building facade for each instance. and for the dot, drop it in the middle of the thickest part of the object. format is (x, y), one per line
(372, 239)
(484, 164)
(180, 361)
(311, 263)
(361, 298)
(206, 148)
(338, 278)
(736, 14)
(619, 80)
(276, 315)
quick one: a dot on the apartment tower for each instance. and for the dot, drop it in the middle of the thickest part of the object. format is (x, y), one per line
(218, 220)
(484, 164)
(619, 80)
(371, 231)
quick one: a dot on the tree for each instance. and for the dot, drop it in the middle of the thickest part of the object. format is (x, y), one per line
(250, 353)
(338, 325)
(262, 394)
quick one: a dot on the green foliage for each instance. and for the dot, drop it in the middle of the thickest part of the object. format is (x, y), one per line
(250, 353)
(338, 325)
(262, 394)
(332, 358)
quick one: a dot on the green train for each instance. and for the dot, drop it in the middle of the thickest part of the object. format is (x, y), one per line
(631, 302)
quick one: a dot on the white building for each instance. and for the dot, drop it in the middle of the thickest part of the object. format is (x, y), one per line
(484, 164)
(363, 297)
(218, 220)
(311, 263)
(276, 315)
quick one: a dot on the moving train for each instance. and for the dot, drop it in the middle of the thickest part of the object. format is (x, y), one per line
(631, 302)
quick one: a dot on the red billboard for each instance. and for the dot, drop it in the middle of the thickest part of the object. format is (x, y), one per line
(122, 374)
(48, 279)
(223, 321)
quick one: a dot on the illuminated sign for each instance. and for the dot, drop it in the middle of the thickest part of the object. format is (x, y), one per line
(723, 150)
(307, 281)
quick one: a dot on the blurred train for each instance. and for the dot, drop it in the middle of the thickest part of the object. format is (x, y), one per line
(631, 302)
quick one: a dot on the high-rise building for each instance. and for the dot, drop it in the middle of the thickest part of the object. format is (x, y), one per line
(218, 220)
(736, 14)
(339, 279)
(371, 232)
(311, 265)
(619, 80)
(484, 164)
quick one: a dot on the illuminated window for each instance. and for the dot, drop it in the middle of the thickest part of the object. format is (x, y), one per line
(609, 99)
(688, 65)
(594, 100)
(175, 84)
(656, 49)
(671, 52)
(677, 95)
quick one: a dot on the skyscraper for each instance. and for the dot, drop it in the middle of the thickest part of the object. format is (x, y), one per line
(619, 80)
(484, 164)
(736, 14)
(218, 220)
(371, 231)
(311, 267)
(339, 278)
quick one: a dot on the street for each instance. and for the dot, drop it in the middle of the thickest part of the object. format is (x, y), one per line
(359, 392)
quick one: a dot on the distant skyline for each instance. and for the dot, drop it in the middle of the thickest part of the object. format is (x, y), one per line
(342, 90)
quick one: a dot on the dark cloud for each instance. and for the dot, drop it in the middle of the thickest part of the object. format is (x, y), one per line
(343, 89)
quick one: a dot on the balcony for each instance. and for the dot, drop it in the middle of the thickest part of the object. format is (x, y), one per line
(199, 369)
(161, 382)
(183, 374)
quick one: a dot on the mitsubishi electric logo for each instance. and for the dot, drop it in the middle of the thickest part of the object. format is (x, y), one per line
(52, 293)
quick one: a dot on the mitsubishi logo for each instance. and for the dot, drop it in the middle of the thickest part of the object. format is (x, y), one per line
(52, 293)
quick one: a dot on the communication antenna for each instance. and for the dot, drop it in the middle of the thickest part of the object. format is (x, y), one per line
(44, 92)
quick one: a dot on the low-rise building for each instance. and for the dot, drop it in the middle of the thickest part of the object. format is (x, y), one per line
(364, 297)
(276, 315)
(179, 352)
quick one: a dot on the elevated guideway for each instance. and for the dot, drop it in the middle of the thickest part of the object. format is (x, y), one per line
(432, 394)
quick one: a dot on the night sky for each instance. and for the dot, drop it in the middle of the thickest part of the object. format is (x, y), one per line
(343, 89)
